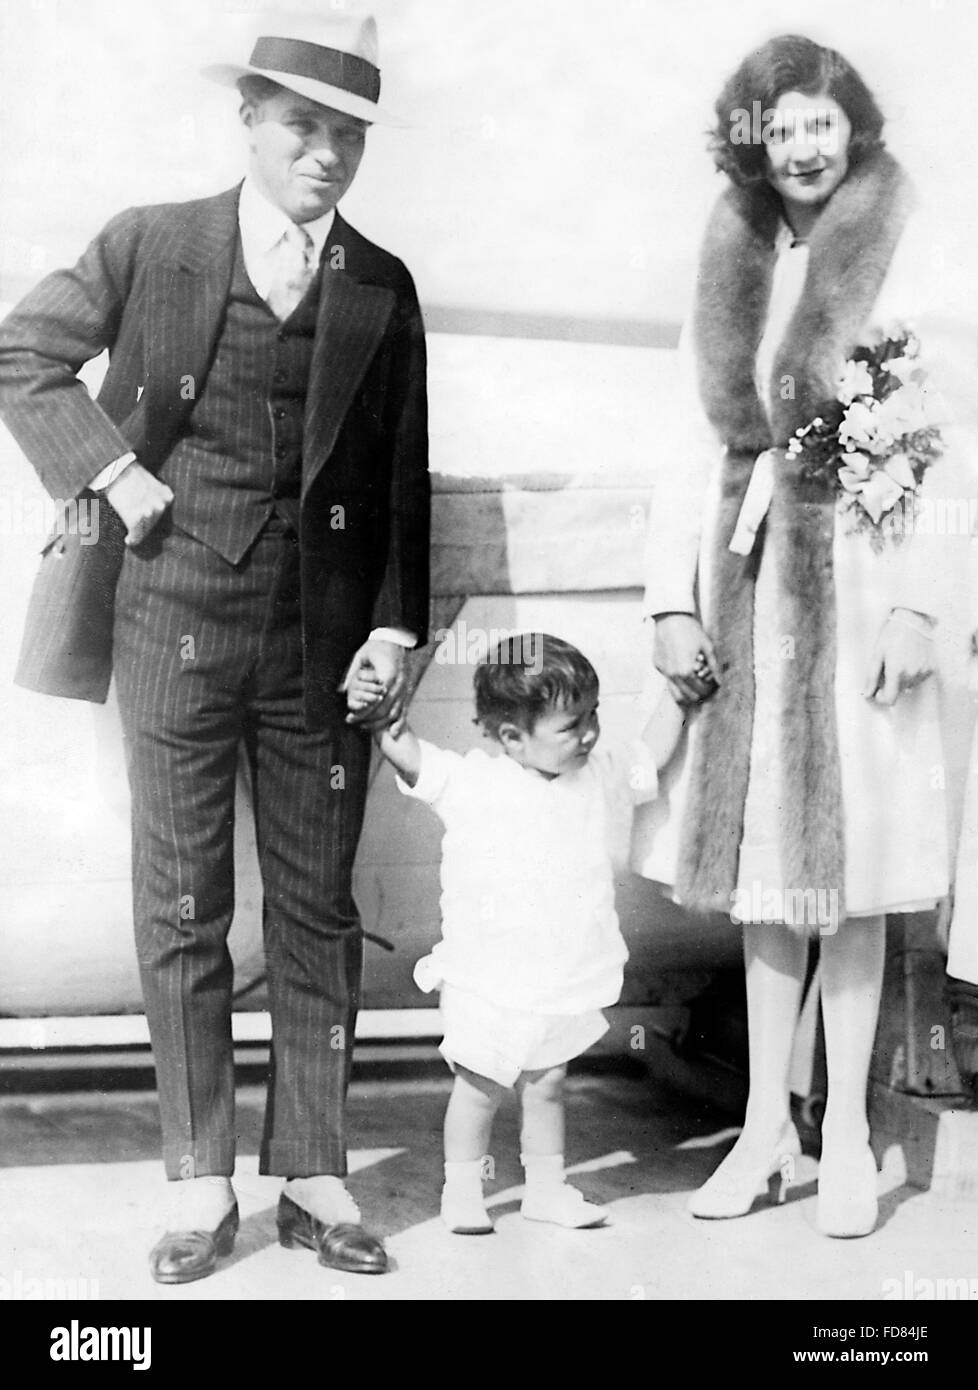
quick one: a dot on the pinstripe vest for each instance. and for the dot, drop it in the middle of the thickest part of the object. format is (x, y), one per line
(241, 459)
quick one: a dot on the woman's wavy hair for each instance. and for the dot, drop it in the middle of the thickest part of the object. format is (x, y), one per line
(790, 63)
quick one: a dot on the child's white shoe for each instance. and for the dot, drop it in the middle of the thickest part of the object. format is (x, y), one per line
(549, 1198)
(462, 1207)
(563, 1206)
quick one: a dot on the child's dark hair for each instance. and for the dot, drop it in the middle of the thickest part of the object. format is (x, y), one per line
(527, 675)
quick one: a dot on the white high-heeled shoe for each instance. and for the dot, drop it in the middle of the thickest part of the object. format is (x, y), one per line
(847, 1202)
(732, 1193)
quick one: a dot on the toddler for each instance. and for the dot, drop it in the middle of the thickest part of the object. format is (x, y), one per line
(530, 950)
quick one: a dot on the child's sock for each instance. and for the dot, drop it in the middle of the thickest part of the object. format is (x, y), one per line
(462, 1207)
(549, 1198)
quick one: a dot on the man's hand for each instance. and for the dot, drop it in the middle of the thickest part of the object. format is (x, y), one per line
(902, 658)
(140, 499)
(385, 671)
(686, 657)
(363, 689)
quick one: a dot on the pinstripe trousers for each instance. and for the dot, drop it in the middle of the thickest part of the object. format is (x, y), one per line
(207, 659)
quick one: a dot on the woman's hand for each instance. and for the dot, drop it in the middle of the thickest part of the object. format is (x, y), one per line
(902, 658)
(686, 657)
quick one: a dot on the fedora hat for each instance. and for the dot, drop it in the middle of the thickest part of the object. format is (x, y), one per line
(333, 60)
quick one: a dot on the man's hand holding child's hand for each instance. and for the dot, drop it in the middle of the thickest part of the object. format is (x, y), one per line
(367, 692)
(364, 689)
(376, 687)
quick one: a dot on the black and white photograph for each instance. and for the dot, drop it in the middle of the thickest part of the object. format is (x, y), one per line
(489, 661)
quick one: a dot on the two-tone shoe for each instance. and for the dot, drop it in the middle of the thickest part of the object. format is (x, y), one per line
(180, 1257)
(343, 1245)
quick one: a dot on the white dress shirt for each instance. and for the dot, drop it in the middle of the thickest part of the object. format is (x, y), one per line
(262, 226)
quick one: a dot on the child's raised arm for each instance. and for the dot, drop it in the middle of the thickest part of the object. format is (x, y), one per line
(661, 733)
(403, 752)
(401, 748)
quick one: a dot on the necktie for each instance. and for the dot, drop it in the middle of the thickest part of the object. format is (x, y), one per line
(293, 273)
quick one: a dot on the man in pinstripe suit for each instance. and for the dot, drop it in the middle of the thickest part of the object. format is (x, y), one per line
(259, 455)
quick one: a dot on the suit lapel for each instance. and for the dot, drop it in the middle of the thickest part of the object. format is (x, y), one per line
(353, 316)
(187, 294)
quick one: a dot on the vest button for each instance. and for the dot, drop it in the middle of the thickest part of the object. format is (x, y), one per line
(279, 412)
(280, 451)
(281, 335)
(279, 377)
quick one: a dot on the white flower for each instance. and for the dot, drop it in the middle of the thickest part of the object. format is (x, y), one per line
(899, 469)
(903, 412)
(854, 472)
(859, 425)
(901, 367)
(878, 489)
(890, 330)
(856, 380)
(880, 494)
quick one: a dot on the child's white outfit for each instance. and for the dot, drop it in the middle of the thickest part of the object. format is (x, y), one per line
(531, 949)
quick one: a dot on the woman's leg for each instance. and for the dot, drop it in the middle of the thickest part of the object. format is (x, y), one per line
(852, 981)
(852, 977)
(775, 957)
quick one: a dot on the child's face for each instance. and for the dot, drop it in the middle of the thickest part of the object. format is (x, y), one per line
(560, 741)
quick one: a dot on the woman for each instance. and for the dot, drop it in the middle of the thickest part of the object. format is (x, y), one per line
(807, 799)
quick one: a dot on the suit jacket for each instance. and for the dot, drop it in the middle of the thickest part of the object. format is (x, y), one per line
(152, 289)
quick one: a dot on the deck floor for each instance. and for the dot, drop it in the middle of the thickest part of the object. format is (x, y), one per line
(80, 1181)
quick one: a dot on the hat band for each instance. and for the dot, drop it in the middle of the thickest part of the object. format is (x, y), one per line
(330, 65)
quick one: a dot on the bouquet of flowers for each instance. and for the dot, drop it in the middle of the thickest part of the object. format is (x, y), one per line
(876, 440)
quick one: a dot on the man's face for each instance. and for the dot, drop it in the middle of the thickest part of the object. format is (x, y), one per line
(303, 156)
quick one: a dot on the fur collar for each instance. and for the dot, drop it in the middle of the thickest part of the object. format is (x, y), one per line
(851, 248)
